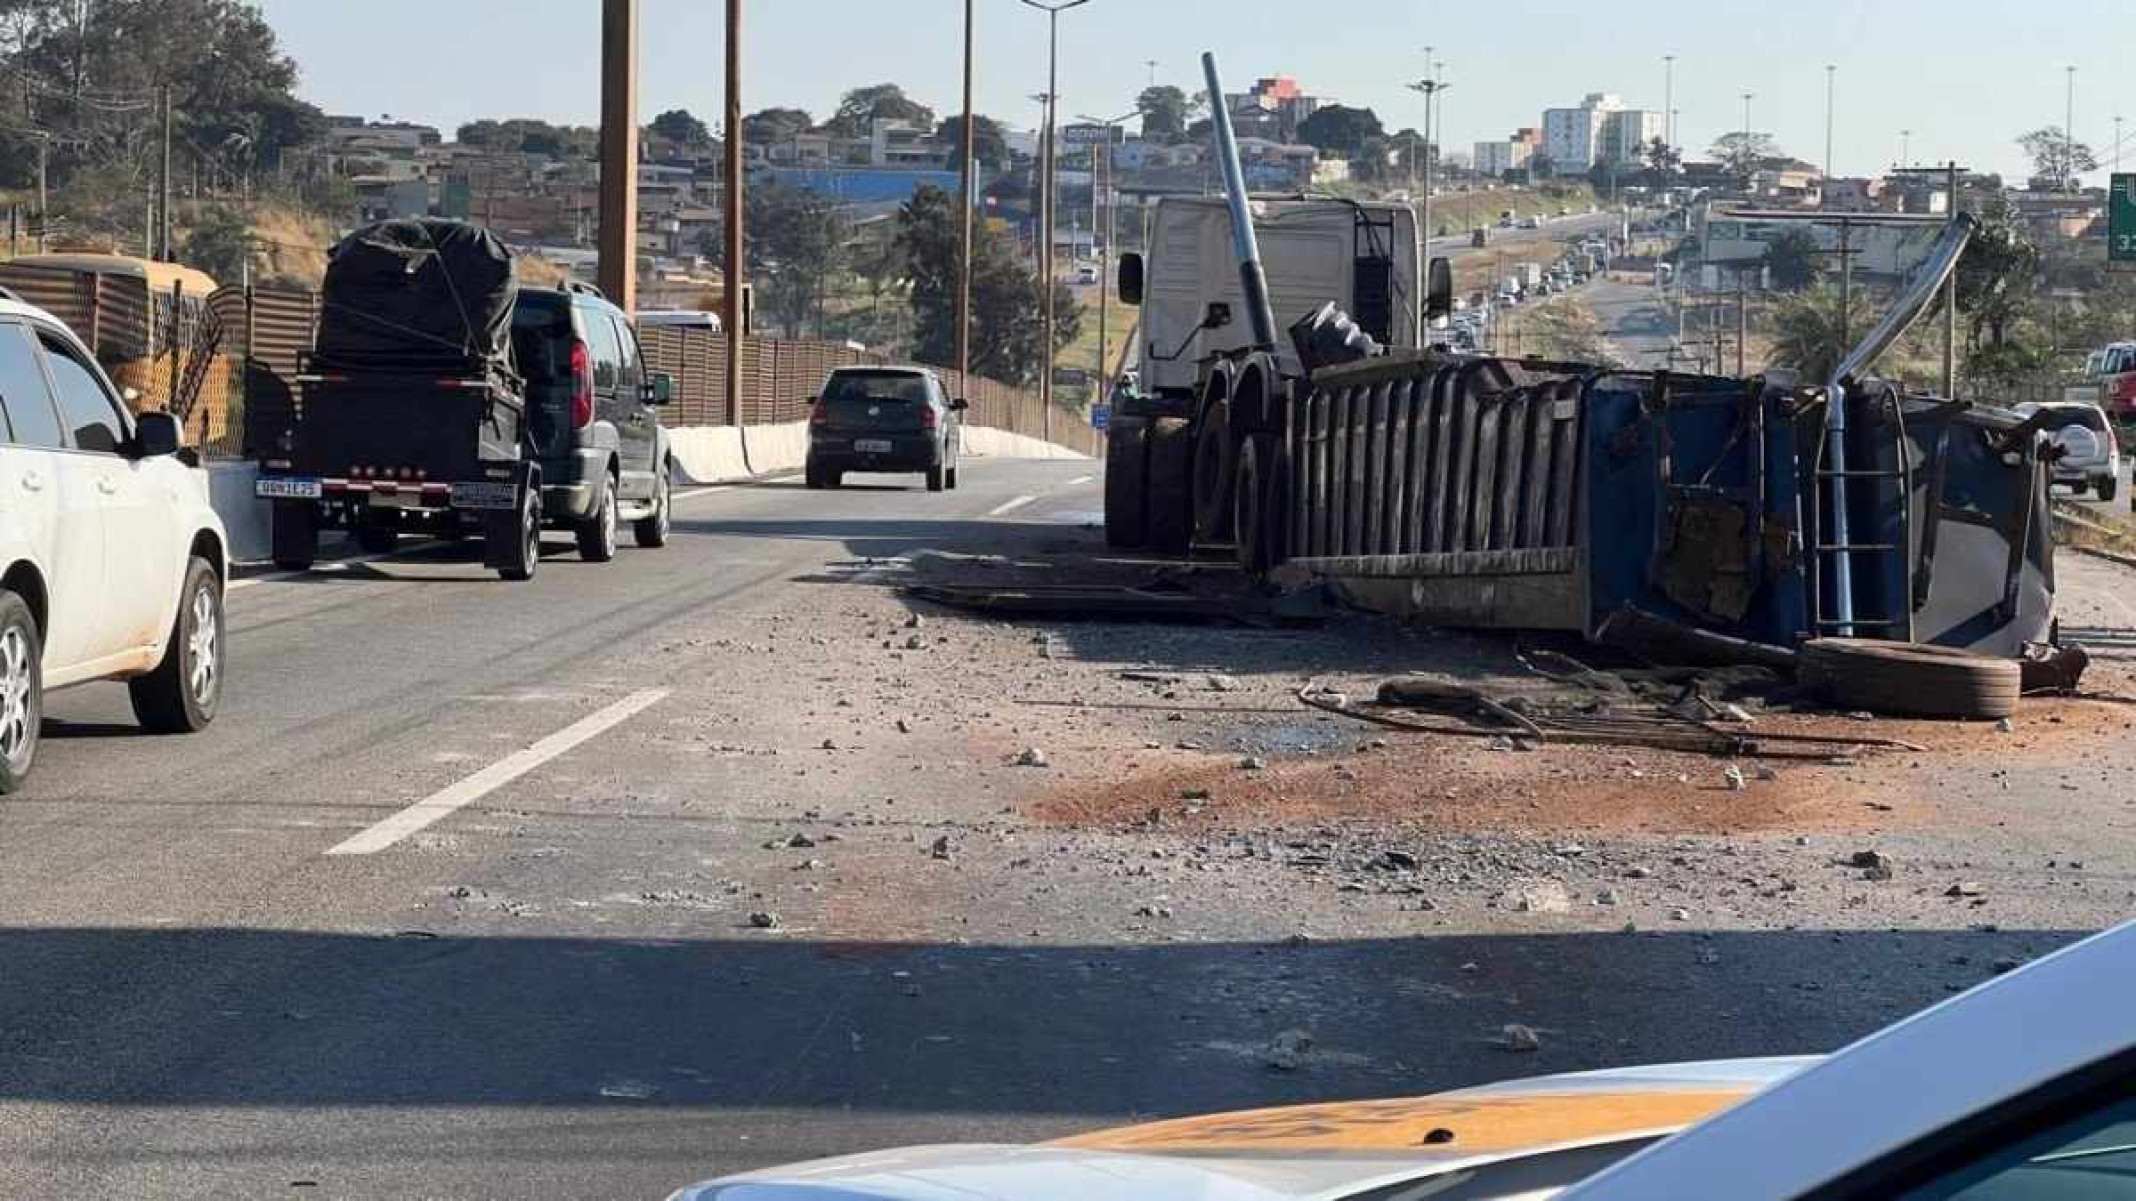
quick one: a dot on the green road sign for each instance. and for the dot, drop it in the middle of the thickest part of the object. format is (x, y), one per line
(2121, 220)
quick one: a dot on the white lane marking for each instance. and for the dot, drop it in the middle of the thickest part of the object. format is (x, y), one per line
(443, 803)
(1011, 506)
(1081, 479)
(328, 568)
(694, 493)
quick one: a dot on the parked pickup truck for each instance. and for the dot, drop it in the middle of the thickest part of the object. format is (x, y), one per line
(409, 409)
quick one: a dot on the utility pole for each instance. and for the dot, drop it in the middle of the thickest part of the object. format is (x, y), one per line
(1151, 63)
(2117, 143)
(2069, 134)
(44, 209)
(1742, 320)
(162, 235)
(1668, 100)
(969, 164)
(1750, 167)
(735, 317)
(1831, 78)
(1107, 221)
(1053, 10)
(619, 151)
(1905, 147)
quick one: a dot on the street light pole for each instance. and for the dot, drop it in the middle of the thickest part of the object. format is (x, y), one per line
(1430, 88)
(2069, 133)
(1905, 146)
(968, 162)
(1053, 11)
(1668, 100)
(1750, 163)
(1831, 78)
(1105, 375)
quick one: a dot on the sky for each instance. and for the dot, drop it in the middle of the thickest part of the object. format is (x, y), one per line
(1966, 76)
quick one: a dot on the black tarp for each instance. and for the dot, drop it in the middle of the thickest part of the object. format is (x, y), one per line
(418, 295)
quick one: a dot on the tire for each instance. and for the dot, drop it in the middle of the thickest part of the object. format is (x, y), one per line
(949, 479)
(2107, 487)
(295, 534)
(1907, 679)
(522, 531)
(1216, 465)
(1127, 461)
(378, 533)
(1254, 514)
(652, 530)
(21, 691)
(936, 479)
(597, 534)
(2077, 487)
(182, 695)
(812, 476)
(1171, 485)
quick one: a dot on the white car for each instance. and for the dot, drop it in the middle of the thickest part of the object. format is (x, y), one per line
(2090, 456)
(2023, 1089)
(113, 559)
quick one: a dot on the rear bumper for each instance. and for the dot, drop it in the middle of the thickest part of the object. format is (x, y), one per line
(908, 452)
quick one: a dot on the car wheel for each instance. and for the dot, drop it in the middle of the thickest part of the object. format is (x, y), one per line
(2077, 487)
(183, 693)
(812, 475)
(524, 527)
(597, 534)
(21, 691)
(652, 530)
(950, 480)
(935, 479)
(2108, 486)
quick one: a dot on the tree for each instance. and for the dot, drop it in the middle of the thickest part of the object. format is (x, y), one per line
(1661, 158)
(862, 107)
(991, 146)
(2057, 162)
(1164, 111)
(1807, 333)
(796, 241)
(1792, 260)
(1008, 323)
(1743, 153)
(1340, 130)
(220, 243)
(680, 127)
(772, 125)
(1998, 274)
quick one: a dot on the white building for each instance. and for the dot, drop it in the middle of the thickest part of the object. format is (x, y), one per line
(1494, 159)
(1572, 137)
(1626, 134)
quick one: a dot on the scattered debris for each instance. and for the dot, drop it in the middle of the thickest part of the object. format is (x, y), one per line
(940, 848)
(1253, 763)
(1031, 757)
(1518, 1038)
(1221, 683)
(764, 919)
(1733, 777)
(1286, 1052)
(1964, 888)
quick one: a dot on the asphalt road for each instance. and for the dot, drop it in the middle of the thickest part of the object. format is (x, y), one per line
(533, 968)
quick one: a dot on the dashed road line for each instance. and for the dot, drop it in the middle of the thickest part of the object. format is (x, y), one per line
(449, 800)
(1011, 506)
(1080, 480)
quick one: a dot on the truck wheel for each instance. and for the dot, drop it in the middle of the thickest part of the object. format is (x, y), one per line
(1909, 679)
(935, 479)
(1255, 515)
(521, 532)
(183, 693)
(295, 533)
(2108, 486)
(652, 530)
(1127, 495)
(21, 691)
(1216, 465)
(378, 533)
(597, 534)
(1171, 485)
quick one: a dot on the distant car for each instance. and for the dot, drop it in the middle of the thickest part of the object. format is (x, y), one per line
(893, 419)
(2018, 1090)
(1532, 223)
(701, 319)
(1087, 274)
(2090, 455)
(112, 560)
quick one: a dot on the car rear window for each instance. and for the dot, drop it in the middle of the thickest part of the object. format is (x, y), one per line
(541, 339)
(895, 387)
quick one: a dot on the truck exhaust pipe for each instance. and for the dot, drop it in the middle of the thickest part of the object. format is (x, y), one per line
(1253, 279)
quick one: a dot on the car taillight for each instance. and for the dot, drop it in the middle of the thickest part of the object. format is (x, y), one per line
(929, 419)
(820, 414)
(581, 385)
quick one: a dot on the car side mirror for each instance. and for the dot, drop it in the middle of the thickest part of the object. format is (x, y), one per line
(1131, 279)
(660, 389)
(156, 435)
(1439, 295)
(959, 405)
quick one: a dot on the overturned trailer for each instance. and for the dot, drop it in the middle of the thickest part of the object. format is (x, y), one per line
(1759, 512)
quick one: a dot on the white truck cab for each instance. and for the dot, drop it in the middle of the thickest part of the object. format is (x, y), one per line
(112, 561)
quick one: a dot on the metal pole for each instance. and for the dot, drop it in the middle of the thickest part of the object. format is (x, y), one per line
(1047, 221)
(619, 149)
(1950, 303)
(734, 317)
(1846, 284)
(163, 186)
(1104, 377)
(1245, 244)
(2117, 144)
(2069, 134)
(1831, 76)
(1905, 146)
(1668, 102)
(969, 164)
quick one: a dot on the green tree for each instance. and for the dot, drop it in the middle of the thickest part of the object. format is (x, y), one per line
(2057, 161)
(991, 145)
(682, 128)
(773, 125)
(1661, 158)
(1792, 260)
(1164, 111)
(1999, 273)
(220, 243)
(1340, 130)
(883, 101)
(1743, 153)
(796, 249)
(1807, 333)
(1008, 323)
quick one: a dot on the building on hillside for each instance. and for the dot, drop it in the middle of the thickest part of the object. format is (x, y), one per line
(903, 144)
(1572, 137)
(1494, 159)
(1728, 234)
(1273, 108)
(354, 135)
(1626, 134)
(1788, 183)
(1853, 195)
(2057, 215)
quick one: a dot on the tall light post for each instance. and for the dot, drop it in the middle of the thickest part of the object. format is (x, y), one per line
(1430, 89)
(1668, 100)
(1750, 162)
(968, 163)
(1105, 215)
(2069, 133)
(1053, 10)
(2117, 143)
(1831, 80)
(1905, 146)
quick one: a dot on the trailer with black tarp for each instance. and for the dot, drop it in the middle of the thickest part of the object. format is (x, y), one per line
(409, 411)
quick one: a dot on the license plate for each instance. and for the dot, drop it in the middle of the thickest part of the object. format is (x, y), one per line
(873, 446)
(287, 489)
(484, 495)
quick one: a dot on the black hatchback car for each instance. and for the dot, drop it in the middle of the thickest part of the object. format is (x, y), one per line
(593, 418)
(893, 419)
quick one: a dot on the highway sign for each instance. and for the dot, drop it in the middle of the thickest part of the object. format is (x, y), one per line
(1101, 417)
(2121, 219)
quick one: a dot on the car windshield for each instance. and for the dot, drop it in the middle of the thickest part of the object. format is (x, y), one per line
(597, 595)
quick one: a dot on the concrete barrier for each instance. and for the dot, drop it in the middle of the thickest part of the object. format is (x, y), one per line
(708, 454)
(985, 442)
